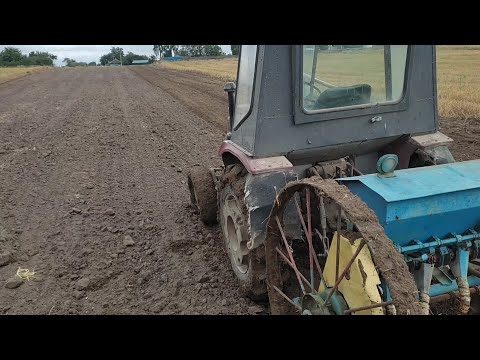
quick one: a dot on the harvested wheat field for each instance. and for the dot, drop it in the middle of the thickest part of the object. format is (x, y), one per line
(11, 73)
(95, 214)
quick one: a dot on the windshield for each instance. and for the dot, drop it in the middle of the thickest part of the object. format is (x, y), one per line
(338, 76)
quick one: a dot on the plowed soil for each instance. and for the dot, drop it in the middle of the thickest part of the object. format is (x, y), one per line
(93, 193)
(94, 159)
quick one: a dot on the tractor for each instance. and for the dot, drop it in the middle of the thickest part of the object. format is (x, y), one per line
(338, 195)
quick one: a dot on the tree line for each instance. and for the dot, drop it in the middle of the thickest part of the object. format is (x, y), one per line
(74, 63)
(117, 53)
(11, 57)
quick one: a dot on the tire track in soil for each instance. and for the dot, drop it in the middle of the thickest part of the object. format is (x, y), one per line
(91, 140)
(466, 134)
(204, 98)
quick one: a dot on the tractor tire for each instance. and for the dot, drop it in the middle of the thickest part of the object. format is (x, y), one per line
(248, 266)
(203, 194)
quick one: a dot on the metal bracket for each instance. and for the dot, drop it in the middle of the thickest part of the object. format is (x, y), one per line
(442, 274)
(459, 265)
(423, 277)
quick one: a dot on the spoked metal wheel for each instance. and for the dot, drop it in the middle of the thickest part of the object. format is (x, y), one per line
(345, 264)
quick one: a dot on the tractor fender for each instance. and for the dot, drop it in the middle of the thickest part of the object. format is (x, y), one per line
(265, 178)
(232, 153)
(260, 195)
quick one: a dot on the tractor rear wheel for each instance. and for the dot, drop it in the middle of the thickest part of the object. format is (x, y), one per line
(345, 263)
(203, 194)
(248, 265)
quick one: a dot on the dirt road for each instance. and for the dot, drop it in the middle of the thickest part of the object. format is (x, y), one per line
(93, 198)
(93, 159)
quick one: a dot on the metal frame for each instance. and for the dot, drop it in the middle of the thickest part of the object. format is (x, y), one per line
(235, 127)
(346, 111)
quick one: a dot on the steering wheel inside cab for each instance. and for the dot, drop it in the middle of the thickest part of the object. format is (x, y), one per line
(335, 96)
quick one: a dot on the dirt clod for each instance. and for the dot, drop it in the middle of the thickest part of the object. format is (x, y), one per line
(23, 258)
(83, 284)
(78, 294)
(203, 278)
(255, 309)
(13, 283)
(128, 241)
(5, 258)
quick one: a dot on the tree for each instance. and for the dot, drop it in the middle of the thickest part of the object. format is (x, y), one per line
(40, 58)
(213, 50)
(128, 59)
(182, 51)
(156, 51)
(115, 53)
(72, 63)
(164, 50)
(200, 50)
(11, 56)
(235, 49)
(92, 63)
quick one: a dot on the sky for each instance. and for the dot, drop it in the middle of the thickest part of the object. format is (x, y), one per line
(88, 53)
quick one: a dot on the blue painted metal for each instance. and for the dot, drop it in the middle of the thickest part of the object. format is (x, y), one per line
(421, 203)
(439, 289)
(385, 291)
(461, 270)
(421, 258)
(437, 242)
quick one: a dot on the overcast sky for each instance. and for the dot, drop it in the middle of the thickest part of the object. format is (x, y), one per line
(88, 53)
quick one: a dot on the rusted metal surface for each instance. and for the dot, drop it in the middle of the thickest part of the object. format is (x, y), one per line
(337, 255)
(473, 271)
(284, 257)
(317, 264)
(311, 253)
(373, 306)
(287, 298)
(290, 255)
(452, 295)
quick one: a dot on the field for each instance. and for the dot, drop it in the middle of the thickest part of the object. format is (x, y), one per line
(223, 69)
(459, 82)
(7, 73)
(93, 193)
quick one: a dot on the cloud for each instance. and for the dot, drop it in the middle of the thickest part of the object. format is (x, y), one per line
(88, 53)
